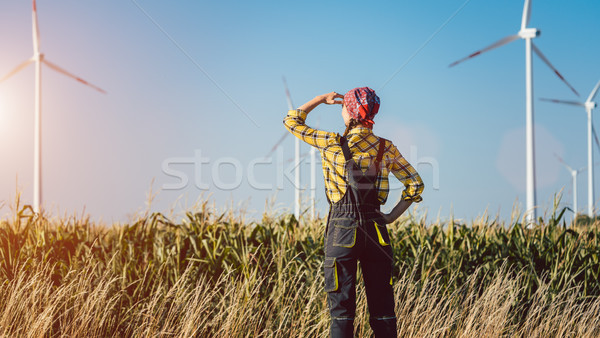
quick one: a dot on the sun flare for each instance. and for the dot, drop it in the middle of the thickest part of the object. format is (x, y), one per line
(2, 112)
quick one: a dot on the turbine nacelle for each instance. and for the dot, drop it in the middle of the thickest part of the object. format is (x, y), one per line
(590, 105)
(529, 33)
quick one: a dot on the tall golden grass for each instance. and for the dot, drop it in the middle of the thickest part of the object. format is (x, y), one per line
(215, 274)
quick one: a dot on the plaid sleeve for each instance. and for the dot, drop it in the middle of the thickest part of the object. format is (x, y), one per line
(413, 185)
(294, 122)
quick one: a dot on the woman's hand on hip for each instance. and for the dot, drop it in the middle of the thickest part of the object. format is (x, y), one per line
(383, 218)
(398, 210)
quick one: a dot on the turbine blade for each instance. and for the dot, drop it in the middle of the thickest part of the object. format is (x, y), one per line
(594, 92)
(595, 137)
(288, 96)
(290, 107)
(496, 44)
(277, 144)
(573, 103)
(17, 69)
(303, 155)
(526, 14)
(563, 162)
(35, 29)
(547, 62)
(64, 72)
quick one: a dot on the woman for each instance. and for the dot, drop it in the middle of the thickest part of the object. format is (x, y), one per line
(356, 166)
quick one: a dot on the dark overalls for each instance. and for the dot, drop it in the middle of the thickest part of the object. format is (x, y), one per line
(352, 234)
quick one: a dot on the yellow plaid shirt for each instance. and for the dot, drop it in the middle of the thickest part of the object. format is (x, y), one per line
(363, 145)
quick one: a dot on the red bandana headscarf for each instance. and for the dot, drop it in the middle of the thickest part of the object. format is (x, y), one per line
(362, 104)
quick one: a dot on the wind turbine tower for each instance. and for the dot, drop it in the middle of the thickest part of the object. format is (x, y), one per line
(574, 174)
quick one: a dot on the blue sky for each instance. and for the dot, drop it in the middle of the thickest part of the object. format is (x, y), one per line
(102, 153)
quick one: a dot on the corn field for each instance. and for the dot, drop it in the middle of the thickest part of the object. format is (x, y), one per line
(214, 274)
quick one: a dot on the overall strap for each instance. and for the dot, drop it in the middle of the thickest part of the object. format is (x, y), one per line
(345, 149)
(380, 152)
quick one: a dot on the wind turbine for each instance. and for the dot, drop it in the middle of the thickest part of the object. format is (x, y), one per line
(38, 58)
(574, 174)
(296, 156)
(526, 34)
(589, 106)
(297, 160)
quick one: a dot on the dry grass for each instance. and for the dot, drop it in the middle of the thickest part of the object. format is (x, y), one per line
(234, 307)
(214, 275)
